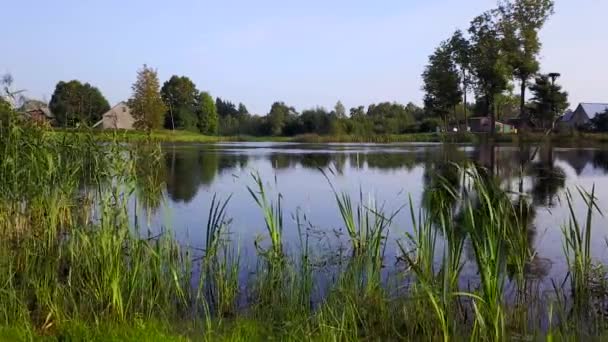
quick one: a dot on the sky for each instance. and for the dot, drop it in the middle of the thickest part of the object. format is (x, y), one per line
(305, 53)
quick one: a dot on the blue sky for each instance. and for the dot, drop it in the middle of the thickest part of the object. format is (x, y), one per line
(305, 53)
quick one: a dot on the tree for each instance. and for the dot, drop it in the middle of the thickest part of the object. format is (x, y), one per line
(242, 110)
(461, 51)
(340, 110)
(441, 83)
(548, 100)
(489, 63)
(277, 117)
(180, 96)
(521, 21)
(357, 112)
(207, 115)
(146, 104)
(225, 108)
(75, 103)
(600, 123)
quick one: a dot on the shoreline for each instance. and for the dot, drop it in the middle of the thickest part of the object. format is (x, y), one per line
(577, 139)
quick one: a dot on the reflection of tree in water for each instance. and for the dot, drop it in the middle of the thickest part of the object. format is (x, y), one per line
(442, 177)
(548, 179)
(230, 162)
(186, 170)
(315, 160)
(390, 161)
(600, 160)
(281, 161)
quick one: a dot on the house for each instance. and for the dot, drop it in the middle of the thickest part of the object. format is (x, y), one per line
(483, 124)
(582, 115)
(36, 111)
(118, 117)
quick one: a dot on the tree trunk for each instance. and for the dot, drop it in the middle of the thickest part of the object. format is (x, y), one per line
(466, 121)
(522, 100)
(492, 116)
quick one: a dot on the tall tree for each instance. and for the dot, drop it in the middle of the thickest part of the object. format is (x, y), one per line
(340, 110)
(225, 108)
(180, 96)
(489, 62)
(520, 24)
(548, 100)
(75, 103)
(441, 83)
(277, 117)
(207, 115)
(461, 50)
(146, 102)
(242, 110)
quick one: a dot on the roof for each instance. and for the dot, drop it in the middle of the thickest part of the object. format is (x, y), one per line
(567, 116)
(593, 109)
(36, 105)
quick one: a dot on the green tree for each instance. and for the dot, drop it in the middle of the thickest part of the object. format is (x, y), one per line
(225, 108)
(242, 110)
(340, 110)
(207, 115)
(548, 100)
(180, 96)
(489, 62)
(278, 116)
(461, 50)
(521, 22)
(441, 83)
(146, 103)
(75, 103)
(600, 123)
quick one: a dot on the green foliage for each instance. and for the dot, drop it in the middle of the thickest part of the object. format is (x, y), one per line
(146, 104)
(522, 19)
(548, 100)
(600, 122)
(278, 117)
(441, 83)
(226, 108)
(207, 115)
(74, 103)
(489, 62)
(339, 110)
(180, 96)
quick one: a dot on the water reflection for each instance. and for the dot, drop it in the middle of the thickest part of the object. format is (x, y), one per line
(187, 169)
(534, 176)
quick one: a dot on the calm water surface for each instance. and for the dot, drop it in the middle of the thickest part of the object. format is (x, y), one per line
(388, 175)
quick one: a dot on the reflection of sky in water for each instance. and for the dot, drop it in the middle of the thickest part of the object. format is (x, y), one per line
(386, 174)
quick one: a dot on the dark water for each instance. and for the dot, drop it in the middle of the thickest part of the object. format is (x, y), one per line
(387, 175)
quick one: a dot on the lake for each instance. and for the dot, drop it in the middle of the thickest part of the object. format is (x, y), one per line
(392, 176)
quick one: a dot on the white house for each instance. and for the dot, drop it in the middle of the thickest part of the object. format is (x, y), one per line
(118, 117)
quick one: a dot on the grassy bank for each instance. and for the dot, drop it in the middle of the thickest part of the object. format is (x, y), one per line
(78, 261)
(563, 139)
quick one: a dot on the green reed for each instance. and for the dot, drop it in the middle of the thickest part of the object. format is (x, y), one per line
(73, 265)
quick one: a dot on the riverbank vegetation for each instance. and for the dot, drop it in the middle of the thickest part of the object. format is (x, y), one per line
(79, 260)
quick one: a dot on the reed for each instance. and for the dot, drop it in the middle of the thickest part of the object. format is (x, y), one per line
(75, 265)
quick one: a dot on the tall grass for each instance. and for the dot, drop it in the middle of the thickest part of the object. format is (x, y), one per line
(73, 264)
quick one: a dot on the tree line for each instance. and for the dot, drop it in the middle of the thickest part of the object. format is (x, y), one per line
(179, 105)
(499, 51)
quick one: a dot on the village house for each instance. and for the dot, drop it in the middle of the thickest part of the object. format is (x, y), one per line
(483, 125)
(582, 115)
(118, 117)
(36, 111)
